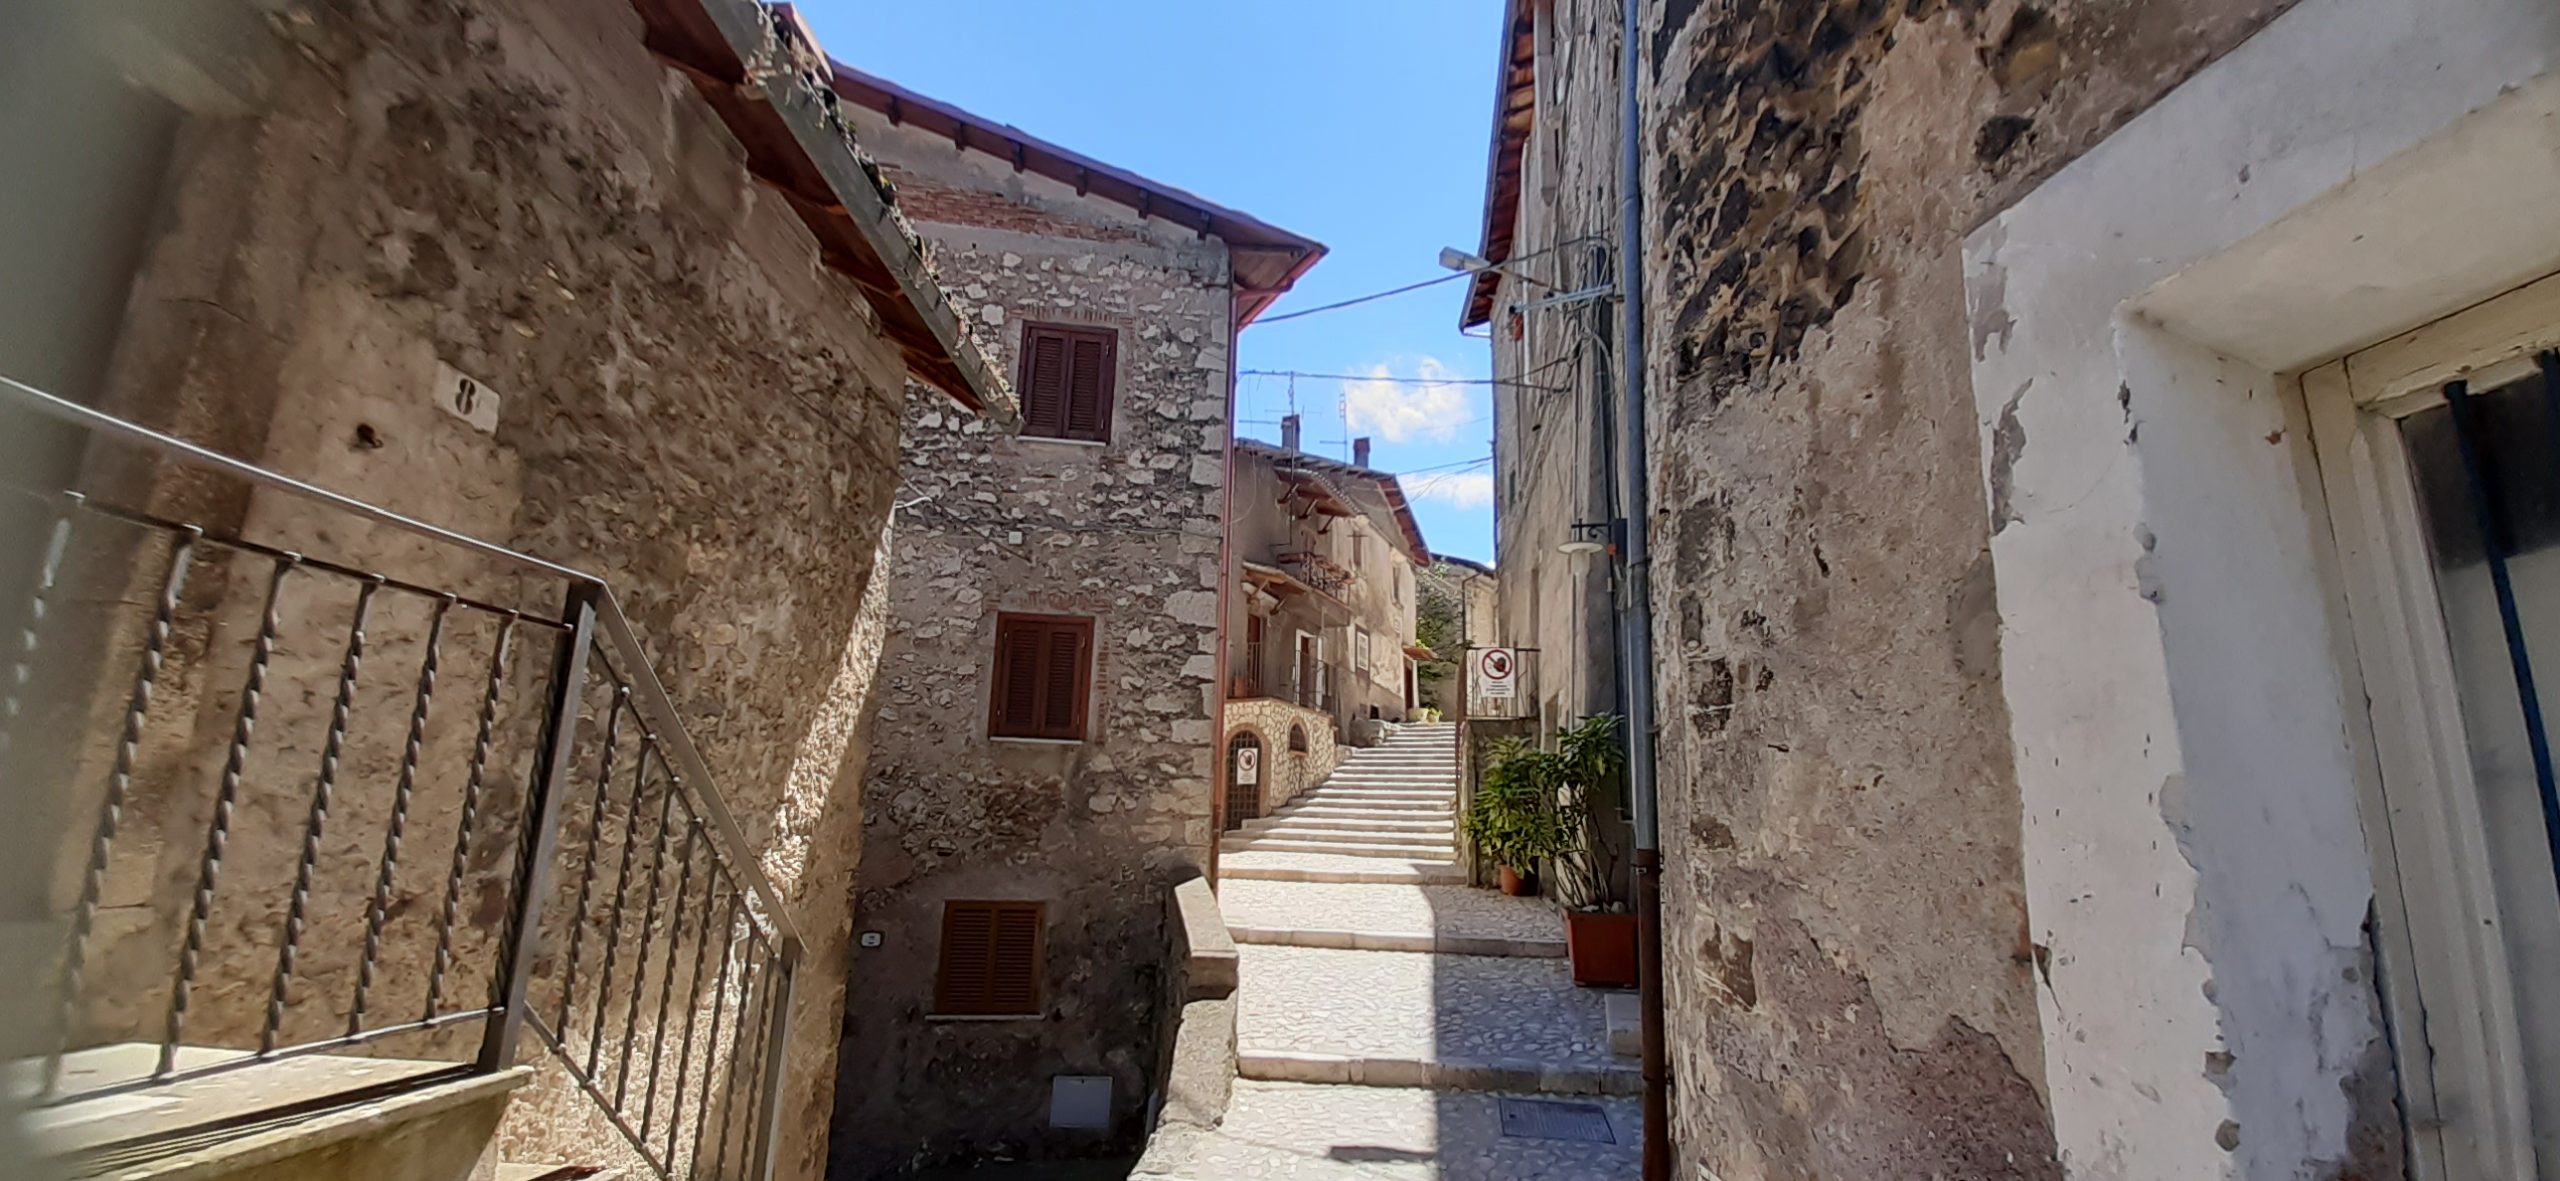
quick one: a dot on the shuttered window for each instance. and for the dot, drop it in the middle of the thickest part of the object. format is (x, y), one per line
(991, 959)
(1044, 668)
(1067, 378)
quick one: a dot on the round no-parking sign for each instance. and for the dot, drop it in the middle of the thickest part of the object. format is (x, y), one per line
(1497, 671)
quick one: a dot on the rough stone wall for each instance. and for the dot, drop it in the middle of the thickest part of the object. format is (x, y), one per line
(1127, 533)
(690, 406)
(1284, 773)
(1850, 975)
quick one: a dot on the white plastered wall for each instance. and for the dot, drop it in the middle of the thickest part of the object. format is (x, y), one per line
(2175, 645)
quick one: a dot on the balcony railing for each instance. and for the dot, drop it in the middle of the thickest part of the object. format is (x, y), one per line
(416, 812)
(1314, 686)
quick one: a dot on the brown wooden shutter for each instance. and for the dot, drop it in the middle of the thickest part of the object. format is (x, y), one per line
(1062, 679)
(1043, 676)
(1044, 381)
(992, 959)
(1089, 387)
(1067, 379)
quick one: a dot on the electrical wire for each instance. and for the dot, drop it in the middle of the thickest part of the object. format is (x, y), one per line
(1365, 298)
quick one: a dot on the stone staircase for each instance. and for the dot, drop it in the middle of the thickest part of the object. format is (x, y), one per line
(1393, 1023)
(1386, 814)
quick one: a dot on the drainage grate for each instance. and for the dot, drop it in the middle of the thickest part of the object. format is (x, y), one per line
(1546, 1119)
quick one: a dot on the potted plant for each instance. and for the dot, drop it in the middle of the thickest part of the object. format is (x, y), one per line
(1514, 818)
(1599, 929)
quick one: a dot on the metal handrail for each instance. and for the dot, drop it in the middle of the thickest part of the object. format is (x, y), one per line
(651, 698)
(615, 627)
(65, 410)
(767, 951)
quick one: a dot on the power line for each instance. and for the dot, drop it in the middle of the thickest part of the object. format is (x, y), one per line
(1371, 377)
(1366, 298)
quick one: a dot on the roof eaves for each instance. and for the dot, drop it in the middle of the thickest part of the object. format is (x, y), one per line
(1269, 259)
(762, 72)
(1514, 107)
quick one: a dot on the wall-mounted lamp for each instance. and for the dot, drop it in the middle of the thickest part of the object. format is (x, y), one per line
(1590, 537)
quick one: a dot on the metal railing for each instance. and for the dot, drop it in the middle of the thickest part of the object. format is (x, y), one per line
(373, 865)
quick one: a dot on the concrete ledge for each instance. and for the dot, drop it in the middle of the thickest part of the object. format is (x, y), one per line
(1446, 1074)
(1399, 941)
(436, 1134)
(1201, 942)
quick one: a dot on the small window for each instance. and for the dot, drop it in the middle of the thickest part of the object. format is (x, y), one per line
(1297, 739)
(991, 959)
(1360, 649)
(1067, 377)
(1044, 670)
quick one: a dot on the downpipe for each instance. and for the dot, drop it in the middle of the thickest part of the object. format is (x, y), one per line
(1636, 637)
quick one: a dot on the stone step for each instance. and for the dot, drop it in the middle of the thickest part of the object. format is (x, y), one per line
(1436, 842)
(1392, 779)
(1387, 1133)
(1337, 848)
(1388, 1018)
(1280, 866)
(1447, 1074)
(1399, 941)
(1373, 822)
(1380, 795)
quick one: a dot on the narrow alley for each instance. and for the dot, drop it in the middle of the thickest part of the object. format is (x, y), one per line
(1392, 1022)
(1438, 590)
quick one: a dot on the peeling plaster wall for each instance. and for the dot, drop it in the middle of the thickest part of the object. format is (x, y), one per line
(1128, 533)
(1853, 981)
(2177, 658)
(692, 407)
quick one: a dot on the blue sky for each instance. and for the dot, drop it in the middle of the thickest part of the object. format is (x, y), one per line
(1362, 125)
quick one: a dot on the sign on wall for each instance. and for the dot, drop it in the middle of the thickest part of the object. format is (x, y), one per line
(1497, 673)
(1248, 765)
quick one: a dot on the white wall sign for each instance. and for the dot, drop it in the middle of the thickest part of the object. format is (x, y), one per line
(1248, 765)
(466, 398)
(1497, 672)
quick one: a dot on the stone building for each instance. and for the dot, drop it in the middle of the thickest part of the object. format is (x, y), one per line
(601, 282)
(1322, 645)
(1046, 751)
(2090, 740)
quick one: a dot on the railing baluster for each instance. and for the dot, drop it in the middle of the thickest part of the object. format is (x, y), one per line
(529, 888)
(719, 1008)
(470, 812)
(739, 1049)
(777, 1022)
(587, 868)
(693, 998)
(385, 876)
(621, 890)
(648, 935)
(667, 979)
(218, 834)
(22, 672)
(93, 879)
(331, 747)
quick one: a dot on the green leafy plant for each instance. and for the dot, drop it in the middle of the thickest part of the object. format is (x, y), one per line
(1534, 807)
(1592, 768)
(1515, 818)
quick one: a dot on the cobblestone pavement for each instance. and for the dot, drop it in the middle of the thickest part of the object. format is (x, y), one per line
(1297, 1132)
(1387, 909)
(1358, 1025)
(1412, 1005)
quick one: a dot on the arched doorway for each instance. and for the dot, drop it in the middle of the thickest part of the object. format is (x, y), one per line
(1244, 779)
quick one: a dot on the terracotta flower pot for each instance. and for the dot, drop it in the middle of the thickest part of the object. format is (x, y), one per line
(1516, 885)
(1602, 948)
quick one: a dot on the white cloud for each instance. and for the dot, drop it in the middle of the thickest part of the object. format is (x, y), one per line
(1399, 410)
(1455, 489)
